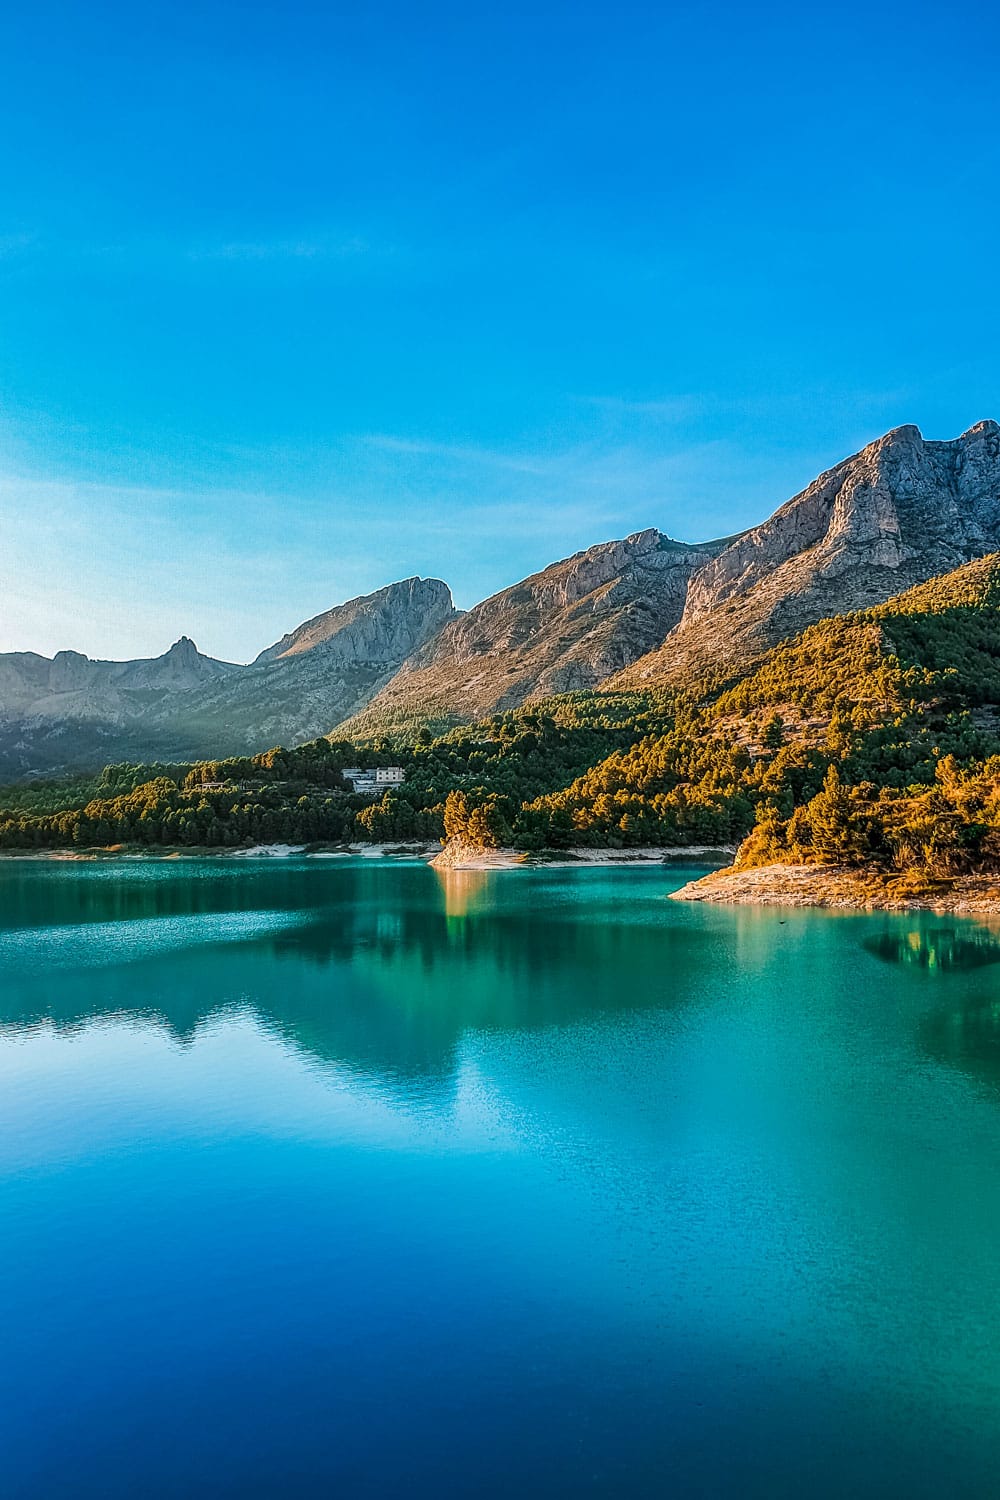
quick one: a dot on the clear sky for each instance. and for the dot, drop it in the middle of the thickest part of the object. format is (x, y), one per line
(296, 299)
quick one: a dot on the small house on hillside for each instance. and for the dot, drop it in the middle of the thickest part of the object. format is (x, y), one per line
(364, 781)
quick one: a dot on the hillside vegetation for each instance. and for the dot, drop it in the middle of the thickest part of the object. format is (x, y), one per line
(638, 615)
(299, 795)
(871, 737)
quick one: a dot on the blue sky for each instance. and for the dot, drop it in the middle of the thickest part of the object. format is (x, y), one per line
(299, 299)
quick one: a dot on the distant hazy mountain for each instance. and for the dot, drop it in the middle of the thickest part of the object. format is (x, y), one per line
(314, 677)
(70, 712)
(74, 686)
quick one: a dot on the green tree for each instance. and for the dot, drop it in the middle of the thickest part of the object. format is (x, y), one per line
(837, 837)
(774, 732)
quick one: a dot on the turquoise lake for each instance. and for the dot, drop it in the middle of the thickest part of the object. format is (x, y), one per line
(346, 1178)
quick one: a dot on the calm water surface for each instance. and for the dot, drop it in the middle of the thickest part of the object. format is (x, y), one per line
(344, 1178)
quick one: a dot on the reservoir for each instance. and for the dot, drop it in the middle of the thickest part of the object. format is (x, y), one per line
(346, 1177)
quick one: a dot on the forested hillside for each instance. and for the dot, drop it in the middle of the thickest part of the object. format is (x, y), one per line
(640, 614)
(872, 737)
(299, 795)
(893, 705)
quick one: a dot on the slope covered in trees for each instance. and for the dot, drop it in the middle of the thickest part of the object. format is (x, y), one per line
(891, 705)
(871, 737)
(299, 795)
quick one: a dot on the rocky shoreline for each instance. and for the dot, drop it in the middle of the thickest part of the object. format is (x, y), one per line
(825, 886)
(834, 887)
(459, 855)
(454, 856)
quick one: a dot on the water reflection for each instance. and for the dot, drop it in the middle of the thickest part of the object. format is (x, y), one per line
(965, 1035)
(461, 889)
(962, 1030)
(383, 970)
(937, 949)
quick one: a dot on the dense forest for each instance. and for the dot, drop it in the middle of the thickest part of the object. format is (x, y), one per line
(870, 738)
(299, 795)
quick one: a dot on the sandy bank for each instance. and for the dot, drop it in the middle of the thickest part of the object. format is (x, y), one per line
(462, 856)
(257, 851)
(846, 889)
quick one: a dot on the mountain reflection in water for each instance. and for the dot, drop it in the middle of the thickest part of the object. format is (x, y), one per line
(383, 970)
(382, 1182)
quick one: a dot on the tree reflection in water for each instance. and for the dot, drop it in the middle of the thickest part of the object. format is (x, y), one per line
(962, 1030)
(940, 949)
(384, 970)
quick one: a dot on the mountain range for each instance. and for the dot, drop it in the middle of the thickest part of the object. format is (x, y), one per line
(622, 614)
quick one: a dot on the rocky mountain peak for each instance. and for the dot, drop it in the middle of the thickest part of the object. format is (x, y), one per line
(901, 510)
(183, 650)
(68, 671)
(986, 429)
(385, 626)
(622, 613)
(559, 630)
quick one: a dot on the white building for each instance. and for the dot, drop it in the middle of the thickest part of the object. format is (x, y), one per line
(363, 781)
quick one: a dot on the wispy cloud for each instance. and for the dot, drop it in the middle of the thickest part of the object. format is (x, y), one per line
(117, 568)
(462, 453)
(668, 409)
(575, 495)
(320, 247)
(800, 405)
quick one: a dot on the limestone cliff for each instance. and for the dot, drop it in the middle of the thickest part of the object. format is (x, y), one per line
(900, 511)
(385, 627)
(559, 630)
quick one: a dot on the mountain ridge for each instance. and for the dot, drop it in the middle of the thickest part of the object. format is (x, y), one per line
(71, 712)
(622, 615)
(901, 510)
(869, 739)
(559, 630)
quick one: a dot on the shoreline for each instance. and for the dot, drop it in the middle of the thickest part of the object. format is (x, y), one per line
(461, 856)
(835, 888)
(467, 857)
(103, 855)
(822, 887)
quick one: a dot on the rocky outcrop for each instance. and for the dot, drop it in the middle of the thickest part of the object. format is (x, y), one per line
(560, 630)
(842, 888)
(386, 626)
(900, 511)
(460, 854)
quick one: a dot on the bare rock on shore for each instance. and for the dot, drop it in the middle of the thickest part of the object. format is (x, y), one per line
(833, 887)
(459, 854)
